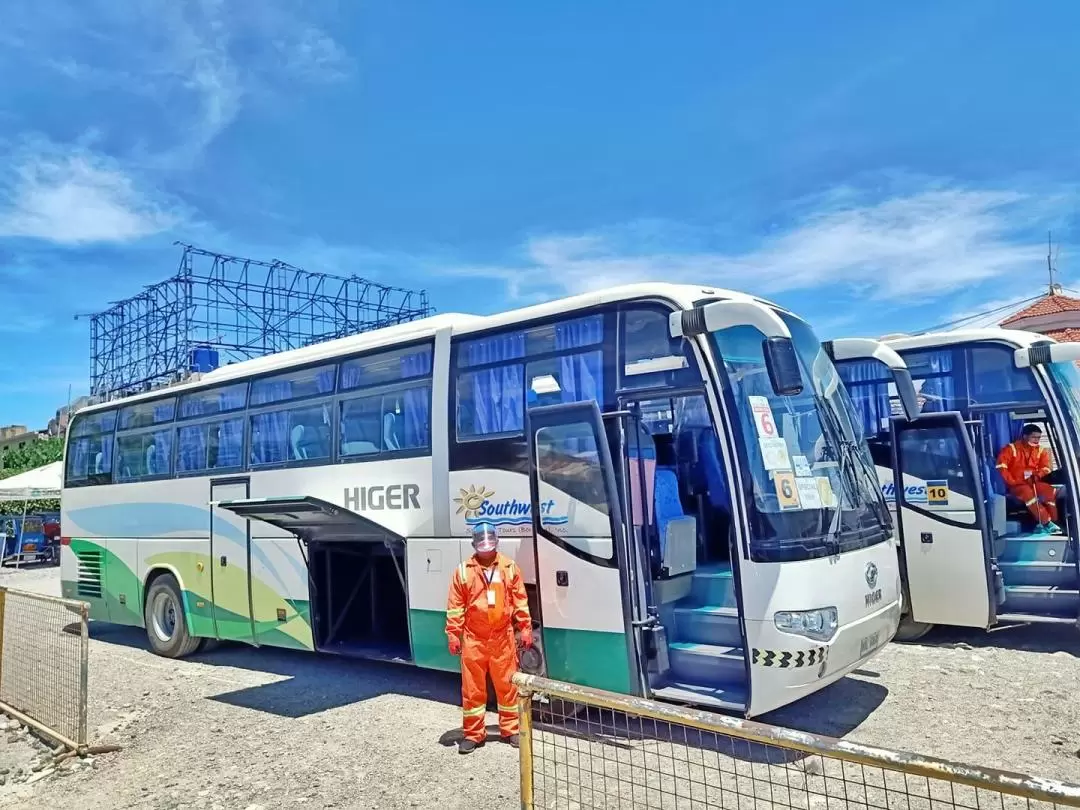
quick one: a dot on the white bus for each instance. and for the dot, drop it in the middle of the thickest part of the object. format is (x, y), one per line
(970, 556)
(675, 470)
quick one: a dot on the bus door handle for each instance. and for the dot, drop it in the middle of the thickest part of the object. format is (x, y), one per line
(224, 561)
(926, 537)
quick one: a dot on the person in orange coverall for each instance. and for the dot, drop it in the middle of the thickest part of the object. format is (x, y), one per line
(1023, 464)
(487, 602)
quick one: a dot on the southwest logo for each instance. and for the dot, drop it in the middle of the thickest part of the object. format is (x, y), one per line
(478, 505)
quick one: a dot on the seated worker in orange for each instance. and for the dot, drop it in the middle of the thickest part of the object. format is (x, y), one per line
(1023, 464)
(487, 602)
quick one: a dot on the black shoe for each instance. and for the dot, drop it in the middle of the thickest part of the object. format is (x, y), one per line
(512, 740)
(468, 746)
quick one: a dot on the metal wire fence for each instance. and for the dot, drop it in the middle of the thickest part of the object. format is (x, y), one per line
(583, 748)
(43, 664)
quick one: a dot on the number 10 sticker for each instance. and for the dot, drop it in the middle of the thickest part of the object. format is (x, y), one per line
(763, 417)
(937, 493)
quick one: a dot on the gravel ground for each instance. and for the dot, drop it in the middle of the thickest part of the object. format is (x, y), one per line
(243, 728)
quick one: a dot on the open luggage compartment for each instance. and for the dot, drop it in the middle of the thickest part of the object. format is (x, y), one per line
(356, 575)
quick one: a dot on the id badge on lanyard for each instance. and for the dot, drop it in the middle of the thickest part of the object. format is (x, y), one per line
(492, 577)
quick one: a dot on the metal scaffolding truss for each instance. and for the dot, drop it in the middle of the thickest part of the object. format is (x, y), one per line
(243, 308)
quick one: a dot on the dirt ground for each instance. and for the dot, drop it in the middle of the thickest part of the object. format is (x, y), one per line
(248, 729)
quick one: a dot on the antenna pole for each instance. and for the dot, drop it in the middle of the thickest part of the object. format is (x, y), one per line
(1049, 259)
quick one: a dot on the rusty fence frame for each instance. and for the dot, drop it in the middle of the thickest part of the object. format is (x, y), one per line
(24, 715)
(530, 687)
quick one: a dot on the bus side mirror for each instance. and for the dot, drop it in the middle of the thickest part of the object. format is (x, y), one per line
(783, 366)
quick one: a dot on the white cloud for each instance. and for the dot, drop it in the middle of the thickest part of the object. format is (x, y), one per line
(184, 68)
(76, 197)
(910, 247)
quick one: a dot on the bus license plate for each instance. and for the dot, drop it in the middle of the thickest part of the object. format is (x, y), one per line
(869, 643)
(28, 547)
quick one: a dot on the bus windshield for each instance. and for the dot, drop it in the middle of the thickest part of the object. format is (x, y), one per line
(814, 486)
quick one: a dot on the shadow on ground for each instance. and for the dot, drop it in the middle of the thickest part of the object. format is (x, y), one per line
(1042, 638)
(311, 682)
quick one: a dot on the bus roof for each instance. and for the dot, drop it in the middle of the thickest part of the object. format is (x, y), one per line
(683, 295)
(1016, 337)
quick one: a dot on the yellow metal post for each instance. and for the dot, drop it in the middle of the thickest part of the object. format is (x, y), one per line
(525, 742)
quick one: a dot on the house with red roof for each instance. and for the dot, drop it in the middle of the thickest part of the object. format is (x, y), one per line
(1054, 315)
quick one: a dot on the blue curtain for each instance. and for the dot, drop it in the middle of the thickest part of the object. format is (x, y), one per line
(867, 383)
(581, 375)
(417, 414)
(497, 392)
(270, 431)
(191, 454)
(935, 369)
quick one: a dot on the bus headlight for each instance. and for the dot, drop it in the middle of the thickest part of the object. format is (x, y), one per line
(819, 624)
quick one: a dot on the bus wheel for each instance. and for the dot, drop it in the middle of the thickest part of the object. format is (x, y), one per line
(911, 630)
(164, 618)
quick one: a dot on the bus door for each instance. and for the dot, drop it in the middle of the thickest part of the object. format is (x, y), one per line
(582, 554)
(230, 562)
(941, 516)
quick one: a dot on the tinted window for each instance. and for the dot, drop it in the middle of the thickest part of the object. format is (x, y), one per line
(213, 446)
(146, 414)
(299, 434)
(995, 379)
(90, 449)
(143, 455)
(386, 423)
(214, 400)
(568, 378)
(386, 367)
(567, 459)
(932, 462)
(306, 382)
(651, 357)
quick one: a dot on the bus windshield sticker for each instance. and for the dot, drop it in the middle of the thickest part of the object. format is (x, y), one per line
(763, 417)
(937, 493)
(787, 496)
(802, 466)
(825, 491)
(808, 493)
(774, 454)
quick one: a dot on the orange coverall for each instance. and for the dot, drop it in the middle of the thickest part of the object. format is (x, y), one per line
(1022, 466)
(488, 644)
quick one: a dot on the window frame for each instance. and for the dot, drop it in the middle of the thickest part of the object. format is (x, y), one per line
(150, 403)
(167, 427)
(607, 345)
(332, 399)
(91, 479)
(381, 391)
(333, 365)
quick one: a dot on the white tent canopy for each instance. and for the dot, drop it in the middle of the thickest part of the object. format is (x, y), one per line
(32, 485)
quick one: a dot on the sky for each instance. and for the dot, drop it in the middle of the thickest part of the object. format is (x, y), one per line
(875, 167)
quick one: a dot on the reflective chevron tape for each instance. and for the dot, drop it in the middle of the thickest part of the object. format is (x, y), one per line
(790, 660)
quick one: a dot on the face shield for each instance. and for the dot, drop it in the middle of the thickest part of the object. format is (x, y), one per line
(485, 539)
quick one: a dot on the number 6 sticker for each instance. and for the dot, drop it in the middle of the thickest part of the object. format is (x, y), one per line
(763, 417)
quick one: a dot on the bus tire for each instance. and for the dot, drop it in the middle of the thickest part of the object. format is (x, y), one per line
(163, 615)
(911, 630)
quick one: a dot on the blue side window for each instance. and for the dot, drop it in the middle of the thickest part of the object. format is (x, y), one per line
(995, 379)
(650, 356)
(932, 373)
(493, 393)
(214, 400)
(143, 455)
(90, 449)
(490, 400)
(306, 382)
(386, 423)
(147, 414)
(867, 383)
(213, 446)
(298, 434)
(387, 367)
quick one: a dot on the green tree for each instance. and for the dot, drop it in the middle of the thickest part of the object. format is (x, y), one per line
(36, 454)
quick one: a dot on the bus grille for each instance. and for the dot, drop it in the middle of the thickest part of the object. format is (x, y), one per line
(89, 574)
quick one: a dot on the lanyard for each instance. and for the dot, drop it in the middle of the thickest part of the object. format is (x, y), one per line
(489, 575)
